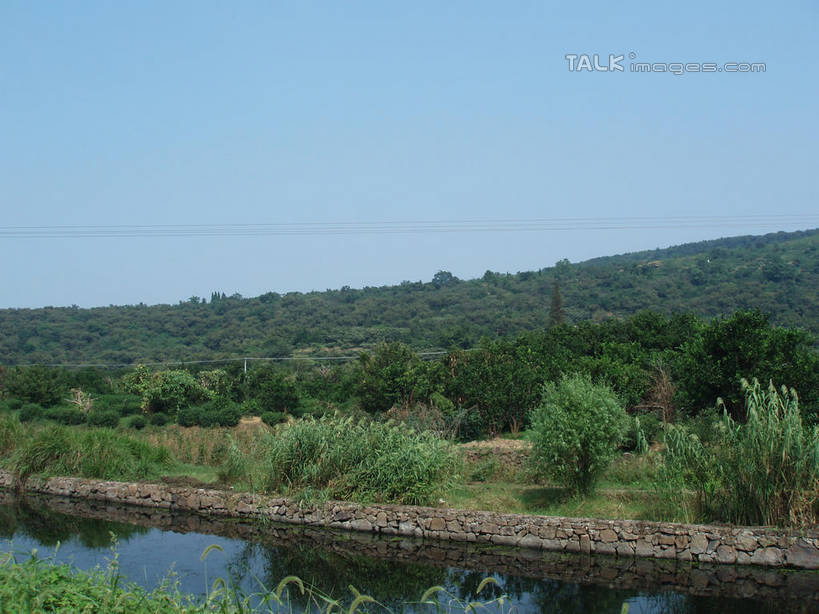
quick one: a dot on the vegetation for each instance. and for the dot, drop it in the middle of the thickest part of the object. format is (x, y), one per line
(775, 273)
(765, 471)
(90, 453)
(38, 585)
(359, 460)
(576, 431)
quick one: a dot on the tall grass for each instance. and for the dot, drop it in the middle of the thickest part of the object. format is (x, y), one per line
(765, 471)
(89, 453)
(359, 460)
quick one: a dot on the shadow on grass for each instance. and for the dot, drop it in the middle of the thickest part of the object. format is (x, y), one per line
(545, 497)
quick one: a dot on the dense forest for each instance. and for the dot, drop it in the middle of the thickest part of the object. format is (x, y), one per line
(777, 274)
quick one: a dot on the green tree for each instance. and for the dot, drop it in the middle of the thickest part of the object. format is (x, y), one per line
(556, 314)
(575, 431)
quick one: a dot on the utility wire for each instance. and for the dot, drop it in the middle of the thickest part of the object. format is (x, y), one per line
(400, 227)
(169, 363)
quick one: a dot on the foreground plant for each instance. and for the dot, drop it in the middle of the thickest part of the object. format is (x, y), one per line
(41, 585)
(765, 471)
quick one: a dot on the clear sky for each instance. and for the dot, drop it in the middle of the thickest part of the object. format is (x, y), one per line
(278, 112)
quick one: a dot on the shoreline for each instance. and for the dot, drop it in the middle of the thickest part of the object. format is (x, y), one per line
(763, 546)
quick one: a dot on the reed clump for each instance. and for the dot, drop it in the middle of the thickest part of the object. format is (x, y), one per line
(762, 472)
(359, 460)
(89, 453)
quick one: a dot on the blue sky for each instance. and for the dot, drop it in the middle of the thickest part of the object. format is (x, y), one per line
(261, 112)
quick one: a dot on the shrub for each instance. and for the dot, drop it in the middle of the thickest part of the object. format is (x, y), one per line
(14, 403)
(359, 460)
(168, 390)
(65, 414)
(44, 386)
(272, 390)
(272, 418)
(159, 419)
(108, 419)
(123, 404)
(190, 416)
(763, 472)
(575, 431)
(30, 412)
(137, 422)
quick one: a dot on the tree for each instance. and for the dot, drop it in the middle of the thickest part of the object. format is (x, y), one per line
(556, 314)
(576, 430)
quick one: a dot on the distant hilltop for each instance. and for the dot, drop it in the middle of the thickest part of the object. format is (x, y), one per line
(777, 273)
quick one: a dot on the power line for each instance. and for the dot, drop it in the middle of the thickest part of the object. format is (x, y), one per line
(400, 227)
(170, 363)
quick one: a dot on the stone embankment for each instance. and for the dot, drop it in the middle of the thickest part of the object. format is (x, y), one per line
(793, 589)
(621, 538)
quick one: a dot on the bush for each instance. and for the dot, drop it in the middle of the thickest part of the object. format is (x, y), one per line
(123, 404)
(30, 412)
(137, 422)
(272, 389)
(189, 416)
(363, 460)
(66, 414)
(108, 419)
(159, 419)
(575, 431)
(272, 418)
(168, 390)
(763, 472)
(14, 403)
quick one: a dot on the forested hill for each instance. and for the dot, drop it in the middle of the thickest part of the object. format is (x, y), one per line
(776, 273)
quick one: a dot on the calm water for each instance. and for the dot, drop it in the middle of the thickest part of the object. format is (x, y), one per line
(150, 543)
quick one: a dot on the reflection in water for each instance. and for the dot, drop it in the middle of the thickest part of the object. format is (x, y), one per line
(392, 570)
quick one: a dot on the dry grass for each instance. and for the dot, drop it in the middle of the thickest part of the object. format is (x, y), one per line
(205, 446)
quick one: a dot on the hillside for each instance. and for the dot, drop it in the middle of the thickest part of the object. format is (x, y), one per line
(777, 273)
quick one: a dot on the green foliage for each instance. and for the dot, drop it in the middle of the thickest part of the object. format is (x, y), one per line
(641, 431)
(30, 412)
(745, 346)
(575, 431)
(765, 471)
(219, 412)
(386, 376)
(11, 433)
(272, 389)
(42, 585)
(108, 419)
(14, 403)
(41, 385)
(272, 418)
(776, 273)
(123, 404)
(166, 391)
(361, 460)
(137, 422)
(90, 453)
(66, 414)
(159, 419)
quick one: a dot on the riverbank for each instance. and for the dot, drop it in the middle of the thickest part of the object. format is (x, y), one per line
(621, 538)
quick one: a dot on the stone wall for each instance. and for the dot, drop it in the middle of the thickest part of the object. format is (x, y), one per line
(621, 538)
(797, 587)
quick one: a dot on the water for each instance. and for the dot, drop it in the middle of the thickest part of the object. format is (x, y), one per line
(393, 570)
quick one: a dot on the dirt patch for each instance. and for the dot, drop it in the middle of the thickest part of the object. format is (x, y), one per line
(499, 444)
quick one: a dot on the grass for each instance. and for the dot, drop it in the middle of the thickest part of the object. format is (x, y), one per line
(41, 585)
